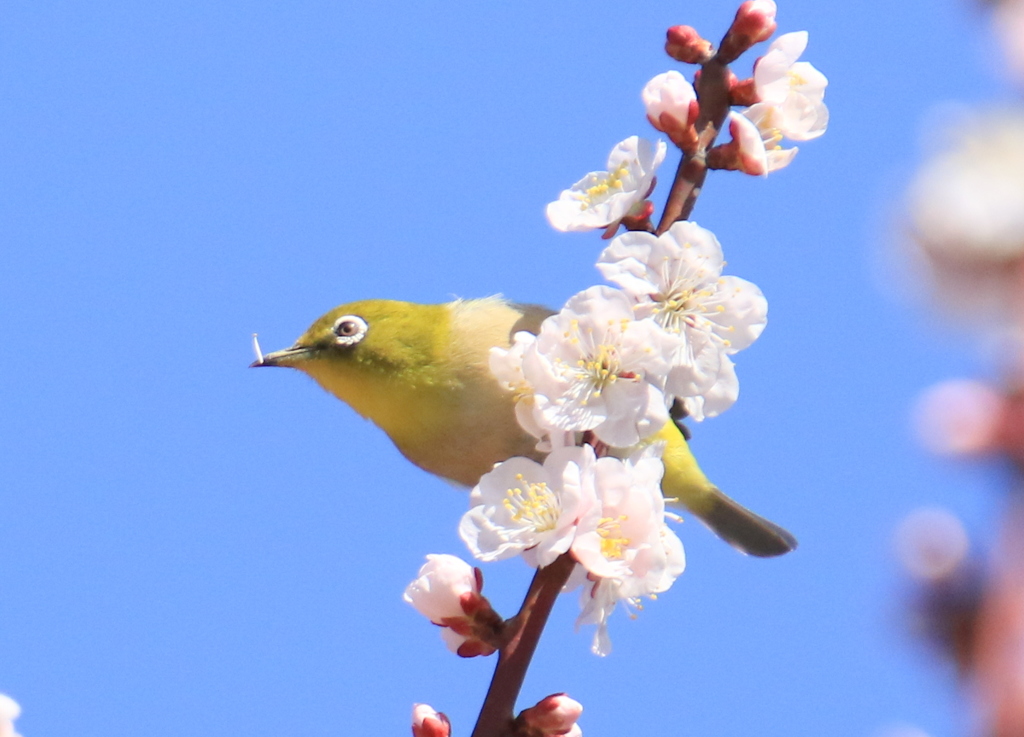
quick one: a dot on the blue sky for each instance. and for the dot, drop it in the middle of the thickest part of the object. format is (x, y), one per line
(188, 546)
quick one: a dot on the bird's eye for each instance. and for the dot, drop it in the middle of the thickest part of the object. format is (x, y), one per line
(349, 329)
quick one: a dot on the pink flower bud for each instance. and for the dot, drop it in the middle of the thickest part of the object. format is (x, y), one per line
(754, 23)
(684, 44)
(447, 593)
(743, 92)
(672, 107)
(429, 723)
(554, 715)
(752, 157)
(443, 582)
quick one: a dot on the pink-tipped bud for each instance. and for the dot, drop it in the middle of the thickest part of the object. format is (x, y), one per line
(443, 582)
(672, 108)
(553, 715)
(751, 157)
(743, 92)
(426, 722)
(684, 44)
(447, 592)
(754, 23)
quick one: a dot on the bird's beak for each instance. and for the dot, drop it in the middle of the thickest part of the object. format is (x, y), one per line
(289, 357)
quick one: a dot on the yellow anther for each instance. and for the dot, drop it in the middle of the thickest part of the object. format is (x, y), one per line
(532, 503)
(613, 544)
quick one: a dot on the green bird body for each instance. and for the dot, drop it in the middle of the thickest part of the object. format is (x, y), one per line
(421, 373)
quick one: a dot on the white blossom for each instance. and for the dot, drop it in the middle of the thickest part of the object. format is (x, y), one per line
(677, 279)
(624, 548)
(620, 537)
(601, 596)
(794, 90)
(605, 197)
(525, 507)
(507, 367)
(758, 141)
(594, 367)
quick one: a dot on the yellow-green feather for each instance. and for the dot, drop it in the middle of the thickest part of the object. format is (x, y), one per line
(421, 374)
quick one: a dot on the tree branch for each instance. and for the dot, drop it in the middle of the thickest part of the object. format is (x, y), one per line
(498, 711)
(713, 93)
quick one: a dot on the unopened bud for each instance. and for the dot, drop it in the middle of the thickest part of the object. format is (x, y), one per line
(743, 92)
(553, 715)
(684, 44)
(747, 146)
(754, 23)
(672, 108)
(447, 592)
(442, 583)
(426, 722)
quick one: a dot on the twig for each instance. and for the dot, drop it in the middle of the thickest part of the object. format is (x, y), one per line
(713, 93)
(498, 711)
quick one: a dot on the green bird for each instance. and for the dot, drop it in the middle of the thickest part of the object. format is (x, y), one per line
(421, 373)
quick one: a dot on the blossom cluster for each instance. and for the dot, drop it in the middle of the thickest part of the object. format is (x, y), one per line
(607, 368)
(599, 383)
(785, 99)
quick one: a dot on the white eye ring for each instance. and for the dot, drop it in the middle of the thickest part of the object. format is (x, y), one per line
(349, 329)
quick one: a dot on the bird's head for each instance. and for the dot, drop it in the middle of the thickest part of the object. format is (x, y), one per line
(376, 336)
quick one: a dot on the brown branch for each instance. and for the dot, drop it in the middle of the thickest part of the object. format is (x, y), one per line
(713, 93)
(498, 712)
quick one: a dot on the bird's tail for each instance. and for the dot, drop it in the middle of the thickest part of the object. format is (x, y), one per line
(685, 485)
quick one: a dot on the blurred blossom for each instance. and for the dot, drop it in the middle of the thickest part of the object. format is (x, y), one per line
(999, 653)
(9, 711)
(1008, 24)
(931, 543)
(966, 210)
(959, 417)
(933, 548)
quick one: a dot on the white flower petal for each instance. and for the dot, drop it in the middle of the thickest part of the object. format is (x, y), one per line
(603, 198)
